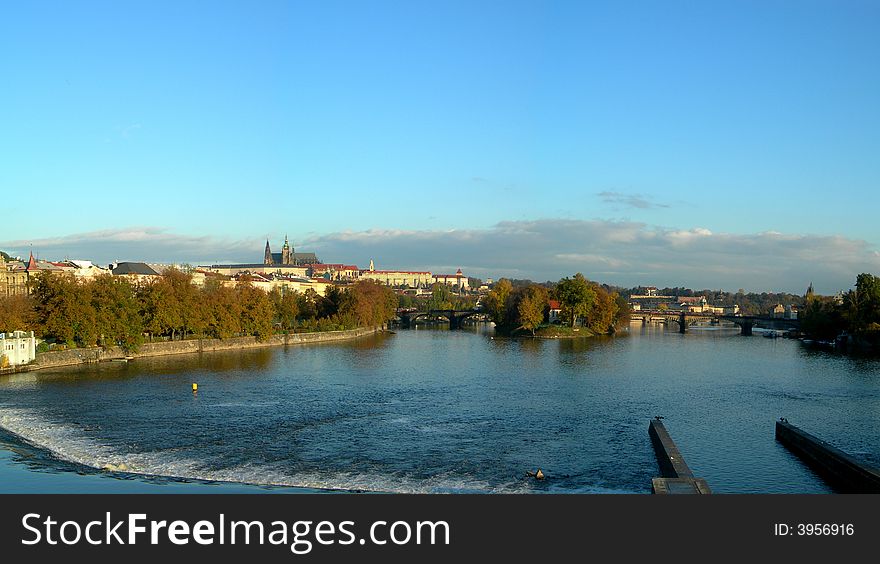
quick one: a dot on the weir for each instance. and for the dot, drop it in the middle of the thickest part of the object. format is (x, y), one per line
(675, 475)
(835, 466)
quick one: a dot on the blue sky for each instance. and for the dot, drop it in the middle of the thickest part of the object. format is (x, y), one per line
(359, 127)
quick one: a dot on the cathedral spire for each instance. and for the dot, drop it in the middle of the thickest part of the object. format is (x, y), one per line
(267, 257)
(286, 256)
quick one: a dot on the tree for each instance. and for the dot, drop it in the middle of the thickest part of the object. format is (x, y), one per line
(286, 307)
(117, 312)
(495, 303)
(64, 309)
(367, 304)
(441, 298)
(17, 314)
(575, 296)
(530, 308)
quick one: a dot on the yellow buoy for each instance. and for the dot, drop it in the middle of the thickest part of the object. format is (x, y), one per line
(195, 387)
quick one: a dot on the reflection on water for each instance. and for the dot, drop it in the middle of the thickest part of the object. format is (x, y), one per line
(439, 411)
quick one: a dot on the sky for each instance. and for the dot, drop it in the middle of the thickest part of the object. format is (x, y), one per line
(702, 144)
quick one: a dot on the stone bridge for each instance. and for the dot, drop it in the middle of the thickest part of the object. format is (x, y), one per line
(745, 322)
(455, 316)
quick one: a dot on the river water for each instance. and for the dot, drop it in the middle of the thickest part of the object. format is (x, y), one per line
(443, 411)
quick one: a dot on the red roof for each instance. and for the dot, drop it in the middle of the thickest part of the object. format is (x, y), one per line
(554, 304)
(397, 272)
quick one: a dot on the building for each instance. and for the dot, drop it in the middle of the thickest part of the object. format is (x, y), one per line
(17, 348)
(457, 280)
(285, 284)
(650, 300)
(398, 278)
(287, 256)
(13, 278)
(693, 304)
(335, 272)
(285, 263)
(136, 272)
(791, 312)
(84, 269)
(554, 312)
(778, 311)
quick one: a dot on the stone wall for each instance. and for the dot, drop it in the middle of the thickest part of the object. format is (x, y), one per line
(98, 354)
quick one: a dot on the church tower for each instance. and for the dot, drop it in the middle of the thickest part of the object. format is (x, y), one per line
(267, 258)
(286, 253)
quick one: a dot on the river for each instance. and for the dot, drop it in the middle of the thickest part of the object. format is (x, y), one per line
(440, 411)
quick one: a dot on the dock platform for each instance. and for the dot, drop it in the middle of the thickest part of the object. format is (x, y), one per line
(838, 468)
(676, 476)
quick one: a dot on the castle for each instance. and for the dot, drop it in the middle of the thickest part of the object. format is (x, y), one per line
(287, 256)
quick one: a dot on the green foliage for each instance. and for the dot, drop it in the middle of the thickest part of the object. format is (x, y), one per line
(441, 298)
(576, 297)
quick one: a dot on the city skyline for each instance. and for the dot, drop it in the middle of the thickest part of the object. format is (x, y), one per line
(703, 145)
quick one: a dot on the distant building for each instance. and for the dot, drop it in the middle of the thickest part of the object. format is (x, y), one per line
(285, 284)
(778, 311)
(17, 348)
(136, 272)
(335, 272)
(791, 312)
(287, 256)
(398, 278)
(84, 269)
(13, 278)
(652, 301)
(458, 280)
(286, 263)
(694, 304)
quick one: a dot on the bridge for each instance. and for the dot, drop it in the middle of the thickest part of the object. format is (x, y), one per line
(687, 318)
(455, 317)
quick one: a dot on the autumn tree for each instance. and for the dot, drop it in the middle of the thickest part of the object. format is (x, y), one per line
(532, 303)
(495, 302)
(17, 314)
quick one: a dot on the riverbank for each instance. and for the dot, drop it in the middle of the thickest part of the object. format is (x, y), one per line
(72, 357)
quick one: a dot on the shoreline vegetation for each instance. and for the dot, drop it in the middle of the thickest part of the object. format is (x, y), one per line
(852, 318)
(114, 311)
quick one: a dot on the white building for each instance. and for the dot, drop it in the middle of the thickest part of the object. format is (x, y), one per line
(17, 348)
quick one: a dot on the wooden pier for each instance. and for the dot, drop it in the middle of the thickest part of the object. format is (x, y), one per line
(839, 469)
(675, 475)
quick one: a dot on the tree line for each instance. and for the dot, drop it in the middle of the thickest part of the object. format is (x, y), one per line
(112, 310)
(583, 303)
(857, 313)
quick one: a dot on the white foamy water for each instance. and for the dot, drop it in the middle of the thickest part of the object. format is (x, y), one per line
(70, 443)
